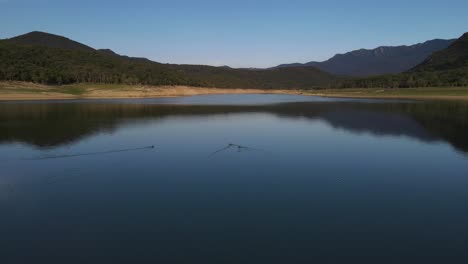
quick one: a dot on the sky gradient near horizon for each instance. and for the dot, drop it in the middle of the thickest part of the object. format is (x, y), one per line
(237, 33)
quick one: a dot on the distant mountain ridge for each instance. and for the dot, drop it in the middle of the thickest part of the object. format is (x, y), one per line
(382, 60)
(444, 68)
(51, 59)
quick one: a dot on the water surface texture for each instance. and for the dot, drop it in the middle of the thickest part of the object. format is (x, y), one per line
(234, 179)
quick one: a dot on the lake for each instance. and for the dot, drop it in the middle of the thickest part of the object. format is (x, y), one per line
(234, 179)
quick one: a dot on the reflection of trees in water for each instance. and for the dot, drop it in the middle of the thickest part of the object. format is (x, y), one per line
(446, 120)
(53, 124)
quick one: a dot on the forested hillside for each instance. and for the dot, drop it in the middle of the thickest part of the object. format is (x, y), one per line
(46, 65)
(448, 67)
(62, 61)
(49, 59)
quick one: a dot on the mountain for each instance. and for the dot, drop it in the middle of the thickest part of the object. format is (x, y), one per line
(453, 57)
(382, 60)
(37, 38)
(51, 59)
(444, 68)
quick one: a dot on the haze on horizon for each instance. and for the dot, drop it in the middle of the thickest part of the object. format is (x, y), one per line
(236, 33)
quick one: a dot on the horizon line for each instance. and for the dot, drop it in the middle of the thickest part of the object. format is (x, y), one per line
(226, 65)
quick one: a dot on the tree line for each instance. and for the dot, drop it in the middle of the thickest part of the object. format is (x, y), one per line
(59, 66)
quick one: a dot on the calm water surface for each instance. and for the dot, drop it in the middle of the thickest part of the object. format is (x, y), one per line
(305, 180)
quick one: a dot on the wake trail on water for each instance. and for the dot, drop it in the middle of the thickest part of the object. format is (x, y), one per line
(89, 153)
(238, 148)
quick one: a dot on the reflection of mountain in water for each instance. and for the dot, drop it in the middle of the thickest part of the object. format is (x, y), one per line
(50, 125)
(379, 123)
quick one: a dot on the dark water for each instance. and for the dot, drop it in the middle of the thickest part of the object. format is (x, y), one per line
(306, 180)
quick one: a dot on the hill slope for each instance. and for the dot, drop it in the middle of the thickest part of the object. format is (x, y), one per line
(37, 38)
(46, 58)
(453, 57)
(448, 67)
(382, 60)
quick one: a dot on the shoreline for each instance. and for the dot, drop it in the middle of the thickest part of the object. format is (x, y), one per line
(19, 91)
(136, 95)
(396, 97)
(450, 94)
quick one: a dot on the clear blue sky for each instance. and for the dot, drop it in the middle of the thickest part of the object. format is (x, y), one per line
(237, 33)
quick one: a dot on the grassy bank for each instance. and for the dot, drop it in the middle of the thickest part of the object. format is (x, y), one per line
(30, 91)
(457, 93)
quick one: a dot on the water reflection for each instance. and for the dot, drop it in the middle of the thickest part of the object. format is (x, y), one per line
(305, 182)
(47, 125)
